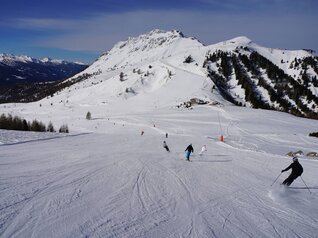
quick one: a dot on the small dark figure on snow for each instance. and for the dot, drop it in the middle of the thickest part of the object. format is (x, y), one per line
(188, 150)
(165, 146)
(166, 135)
(297, 170)
(142, 132)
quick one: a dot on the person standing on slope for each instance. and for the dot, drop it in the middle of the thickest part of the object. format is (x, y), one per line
(203, 150)
(188, 150)
(165, 146)
(297, 170)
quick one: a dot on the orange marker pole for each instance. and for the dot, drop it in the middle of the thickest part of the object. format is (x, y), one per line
(221, 137)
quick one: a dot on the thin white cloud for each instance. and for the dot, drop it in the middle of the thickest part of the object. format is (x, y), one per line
(40, 24)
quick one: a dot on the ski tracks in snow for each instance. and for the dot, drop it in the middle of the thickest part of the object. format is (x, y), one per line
(161, 196)
(56, 191)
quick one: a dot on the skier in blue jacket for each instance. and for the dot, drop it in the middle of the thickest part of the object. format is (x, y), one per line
(188, 150)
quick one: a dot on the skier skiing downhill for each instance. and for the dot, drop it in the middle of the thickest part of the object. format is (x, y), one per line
(188, 150)
(203, 150)
(165, 146)
(297, 170)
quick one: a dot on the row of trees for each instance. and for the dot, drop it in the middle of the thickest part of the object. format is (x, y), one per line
(251, 93)
(228, 64)
(10, 122)
(247, 70)
(253, 65)
(297, 90)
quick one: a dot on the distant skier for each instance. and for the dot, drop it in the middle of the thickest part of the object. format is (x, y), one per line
(203, 150)
(165, 146)
(188, 150)
(166, 135)
(297, 170)
(142, 133)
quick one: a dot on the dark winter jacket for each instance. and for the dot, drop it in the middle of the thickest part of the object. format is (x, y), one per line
(296, 167)
(189, 148)
(164, 144)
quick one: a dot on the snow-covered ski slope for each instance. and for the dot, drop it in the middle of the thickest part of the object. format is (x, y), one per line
(117, 183)
(106, 180)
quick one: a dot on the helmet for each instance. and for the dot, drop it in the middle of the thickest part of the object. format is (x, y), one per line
(295, 159)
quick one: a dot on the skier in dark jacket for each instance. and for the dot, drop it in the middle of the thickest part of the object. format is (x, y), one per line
(297, 170)
(165, 146)
(188, 150)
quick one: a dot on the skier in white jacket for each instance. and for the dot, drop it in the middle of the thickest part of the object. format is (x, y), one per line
(203, 150)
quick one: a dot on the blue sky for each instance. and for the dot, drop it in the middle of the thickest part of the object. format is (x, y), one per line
(80, 30)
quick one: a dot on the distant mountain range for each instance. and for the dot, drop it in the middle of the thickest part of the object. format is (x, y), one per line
(165, 68)
(20, 74)
(24, 69)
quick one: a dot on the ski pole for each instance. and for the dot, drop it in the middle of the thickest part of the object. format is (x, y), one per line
(276, 178)
(305, 184)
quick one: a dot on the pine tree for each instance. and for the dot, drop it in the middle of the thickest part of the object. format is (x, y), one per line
(64, 129)
(26, 125)
(37, 126)
(188, 60)
(88, 116)
(50, 127)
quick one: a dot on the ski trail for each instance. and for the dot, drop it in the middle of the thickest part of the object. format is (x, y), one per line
(37, 203)
(192, 230)
(226, 219)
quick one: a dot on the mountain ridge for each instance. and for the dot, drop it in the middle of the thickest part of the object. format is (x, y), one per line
(6, 58)
(167, 69)
(277, 79)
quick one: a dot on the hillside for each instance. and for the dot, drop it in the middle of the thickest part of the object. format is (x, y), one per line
(248, 74)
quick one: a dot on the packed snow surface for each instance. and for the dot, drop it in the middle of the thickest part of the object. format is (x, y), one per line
(113, 182)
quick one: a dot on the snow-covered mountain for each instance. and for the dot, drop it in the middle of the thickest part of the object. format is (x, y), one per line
(166, 68)
(25, 69)
(23, 77)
